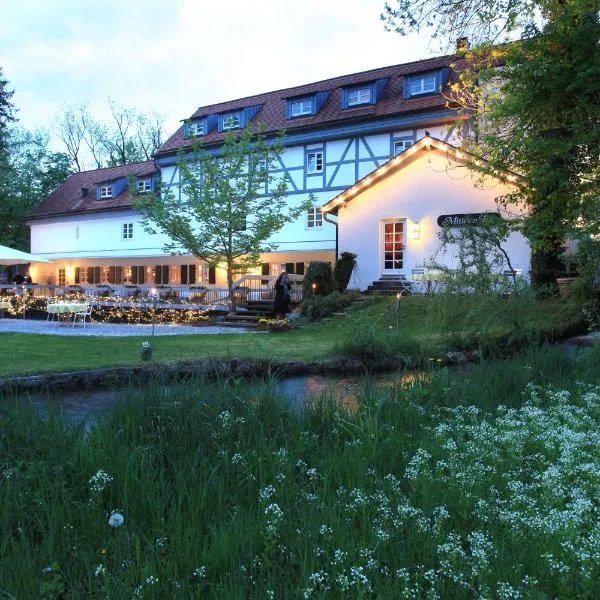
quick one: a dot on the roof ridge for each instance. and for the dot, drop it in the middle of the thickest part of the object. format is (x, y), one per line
(139, 162)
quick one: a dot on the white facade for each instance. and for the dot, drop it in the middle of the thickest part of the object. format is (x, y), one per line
(413, 195)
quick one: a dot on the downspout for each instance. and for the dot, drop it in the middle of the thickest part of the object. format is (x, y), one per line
(329, 220)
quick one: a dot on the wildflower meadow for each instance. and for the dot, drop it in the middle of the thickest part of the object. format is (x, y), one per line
(475, 484)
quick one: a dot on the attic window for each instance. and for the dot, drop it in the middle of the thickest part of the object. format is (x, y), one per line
(358, 96)
(144, 186)
(301, 107)
(230, 122)
(106, 191)
(195, 129)
(422, 85)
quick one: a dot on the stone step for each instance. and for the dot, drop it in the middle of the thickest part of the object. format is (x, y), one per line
(244, 324)
(242, 317)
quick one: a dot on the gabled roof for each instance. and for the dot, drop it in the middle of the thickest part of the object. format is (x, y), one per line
(69, 199)
(393, 165)
(272, 112)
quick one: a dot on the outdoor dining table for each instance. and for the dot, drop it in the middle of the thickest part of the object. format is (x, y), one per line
(4, 305)
(61, 308)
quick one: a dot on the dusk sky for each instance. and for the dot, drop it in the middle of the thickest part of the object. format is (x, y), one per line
(176, 55)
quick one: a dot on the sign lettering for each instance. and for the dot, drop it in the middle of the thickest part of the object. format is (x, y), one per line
(467, 219)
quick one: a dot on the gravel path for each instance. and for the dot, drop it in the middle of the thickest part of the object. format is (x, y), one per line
(107, 329)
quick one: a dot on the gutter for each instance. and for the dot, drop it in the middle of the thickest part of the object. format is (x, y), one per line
(327, 218)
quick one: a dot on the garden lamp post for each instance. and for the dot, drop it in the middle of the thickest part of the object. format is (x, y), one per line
(313, 285)
(398, 296)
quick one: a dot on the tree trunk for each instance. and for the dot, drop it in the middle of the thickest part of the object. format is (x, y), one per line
(230, 285)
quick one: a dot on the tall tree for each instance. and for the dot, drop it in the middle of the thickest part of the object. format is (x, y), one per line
(34, 173)
(536, 101)
(222, 215)
(126, 136)
(7, 116)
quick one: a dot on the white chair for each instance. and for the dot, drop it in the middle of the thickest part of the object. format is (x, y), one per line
(51, 300)
(83, 315)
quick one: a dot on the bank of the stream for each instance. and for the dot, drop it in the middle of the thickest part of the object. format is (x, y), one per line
(465, 484)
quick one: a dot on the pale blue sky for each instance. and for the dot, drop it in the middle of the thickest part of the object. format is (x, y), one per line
(176, 55)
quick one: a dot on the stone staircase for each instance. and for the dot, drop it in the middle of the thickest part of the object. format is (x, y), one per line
(390, 285)
(257, 310)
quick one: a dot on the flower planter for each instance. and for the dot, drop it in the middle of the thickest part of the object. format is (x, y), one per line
(564, 283)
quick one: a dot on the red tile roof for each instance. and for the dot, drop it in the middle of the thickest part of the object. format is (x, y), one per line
(273, 104)
(68, 198)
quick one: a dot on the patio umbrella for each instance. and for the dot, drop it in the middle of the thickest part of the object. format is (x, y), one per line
(10, 256)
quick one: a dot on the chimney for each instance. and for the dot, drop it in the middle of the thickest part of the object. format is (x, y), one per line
(84, 192)
(462, 45)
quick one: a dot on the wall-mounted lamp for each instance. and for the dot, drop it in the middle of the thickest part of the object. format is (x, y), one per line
(416, 231)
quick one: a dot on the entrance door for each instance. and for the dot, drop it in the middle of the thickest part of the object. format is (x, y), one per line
(392, 251)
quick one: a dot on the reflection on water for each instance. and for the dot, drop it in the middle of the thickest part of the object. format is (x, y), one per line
(88, 406)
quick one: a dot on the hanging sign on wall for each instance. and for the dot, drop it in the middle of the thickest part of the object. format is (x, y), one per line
(467, 219)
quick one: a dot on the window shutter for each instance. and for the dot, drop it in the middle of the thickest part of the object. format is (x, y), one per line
(98, 191)
(119, 186)
(299, 268)
(265, 269)
(192, 275)
(212, 275)
(289, 268)
(184, 274)
(249, 113)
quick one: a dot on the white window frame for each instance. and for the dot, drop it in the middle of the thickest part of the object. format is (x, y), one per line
(144, 186)
(301, 107)
(359, 96)
(404, 143)
(314, 218)
(196, 129)
(231, 122)
(127, 231)
(419, 85)
(106, 191)
(314, 162)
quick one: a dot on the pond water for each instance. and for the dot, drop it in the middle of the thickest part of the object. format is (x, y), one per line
(89, 405)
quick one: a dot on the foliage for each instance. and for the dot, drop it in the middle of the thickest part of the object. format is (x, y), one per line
(344, 267)
(478, 257)
(319, 307)
(35, 172)
(127, 136)
(538, 114)
(482, 484)
(222, 213)
(319, 273)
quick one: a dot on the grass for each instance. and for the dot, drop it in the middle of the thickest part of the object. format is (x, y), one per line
(475, 484)
(419, 320)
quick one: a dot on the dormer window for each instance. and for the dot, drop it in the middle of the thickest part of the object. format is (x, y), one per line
(230, 122)
(144, 186)
(364, 94)
(106, 191)
(195, 129)
(358, 96)
(423, 84)
(301, 107)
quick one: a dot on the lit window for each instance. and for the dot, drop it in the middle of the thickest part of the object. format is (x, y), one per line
(358, 96)
(231, 122)
(299, 108)
(314, 217)
(314, 162)
(127, 231)
(106, 191)
(401, 146)
(62, 277)
(144, 185)
(422, 85)
(195, 129)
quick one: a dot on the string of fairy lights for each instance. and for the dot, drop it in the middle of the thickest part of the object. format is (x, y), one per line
(117, 309)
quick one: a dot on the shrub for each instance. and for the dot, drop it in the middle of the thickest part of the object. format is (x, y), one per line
(318, 272)
(343, 270)
(324, 306)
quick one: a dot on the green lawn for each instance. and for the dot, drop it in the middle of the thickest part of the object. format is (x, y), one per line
(421, 319)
